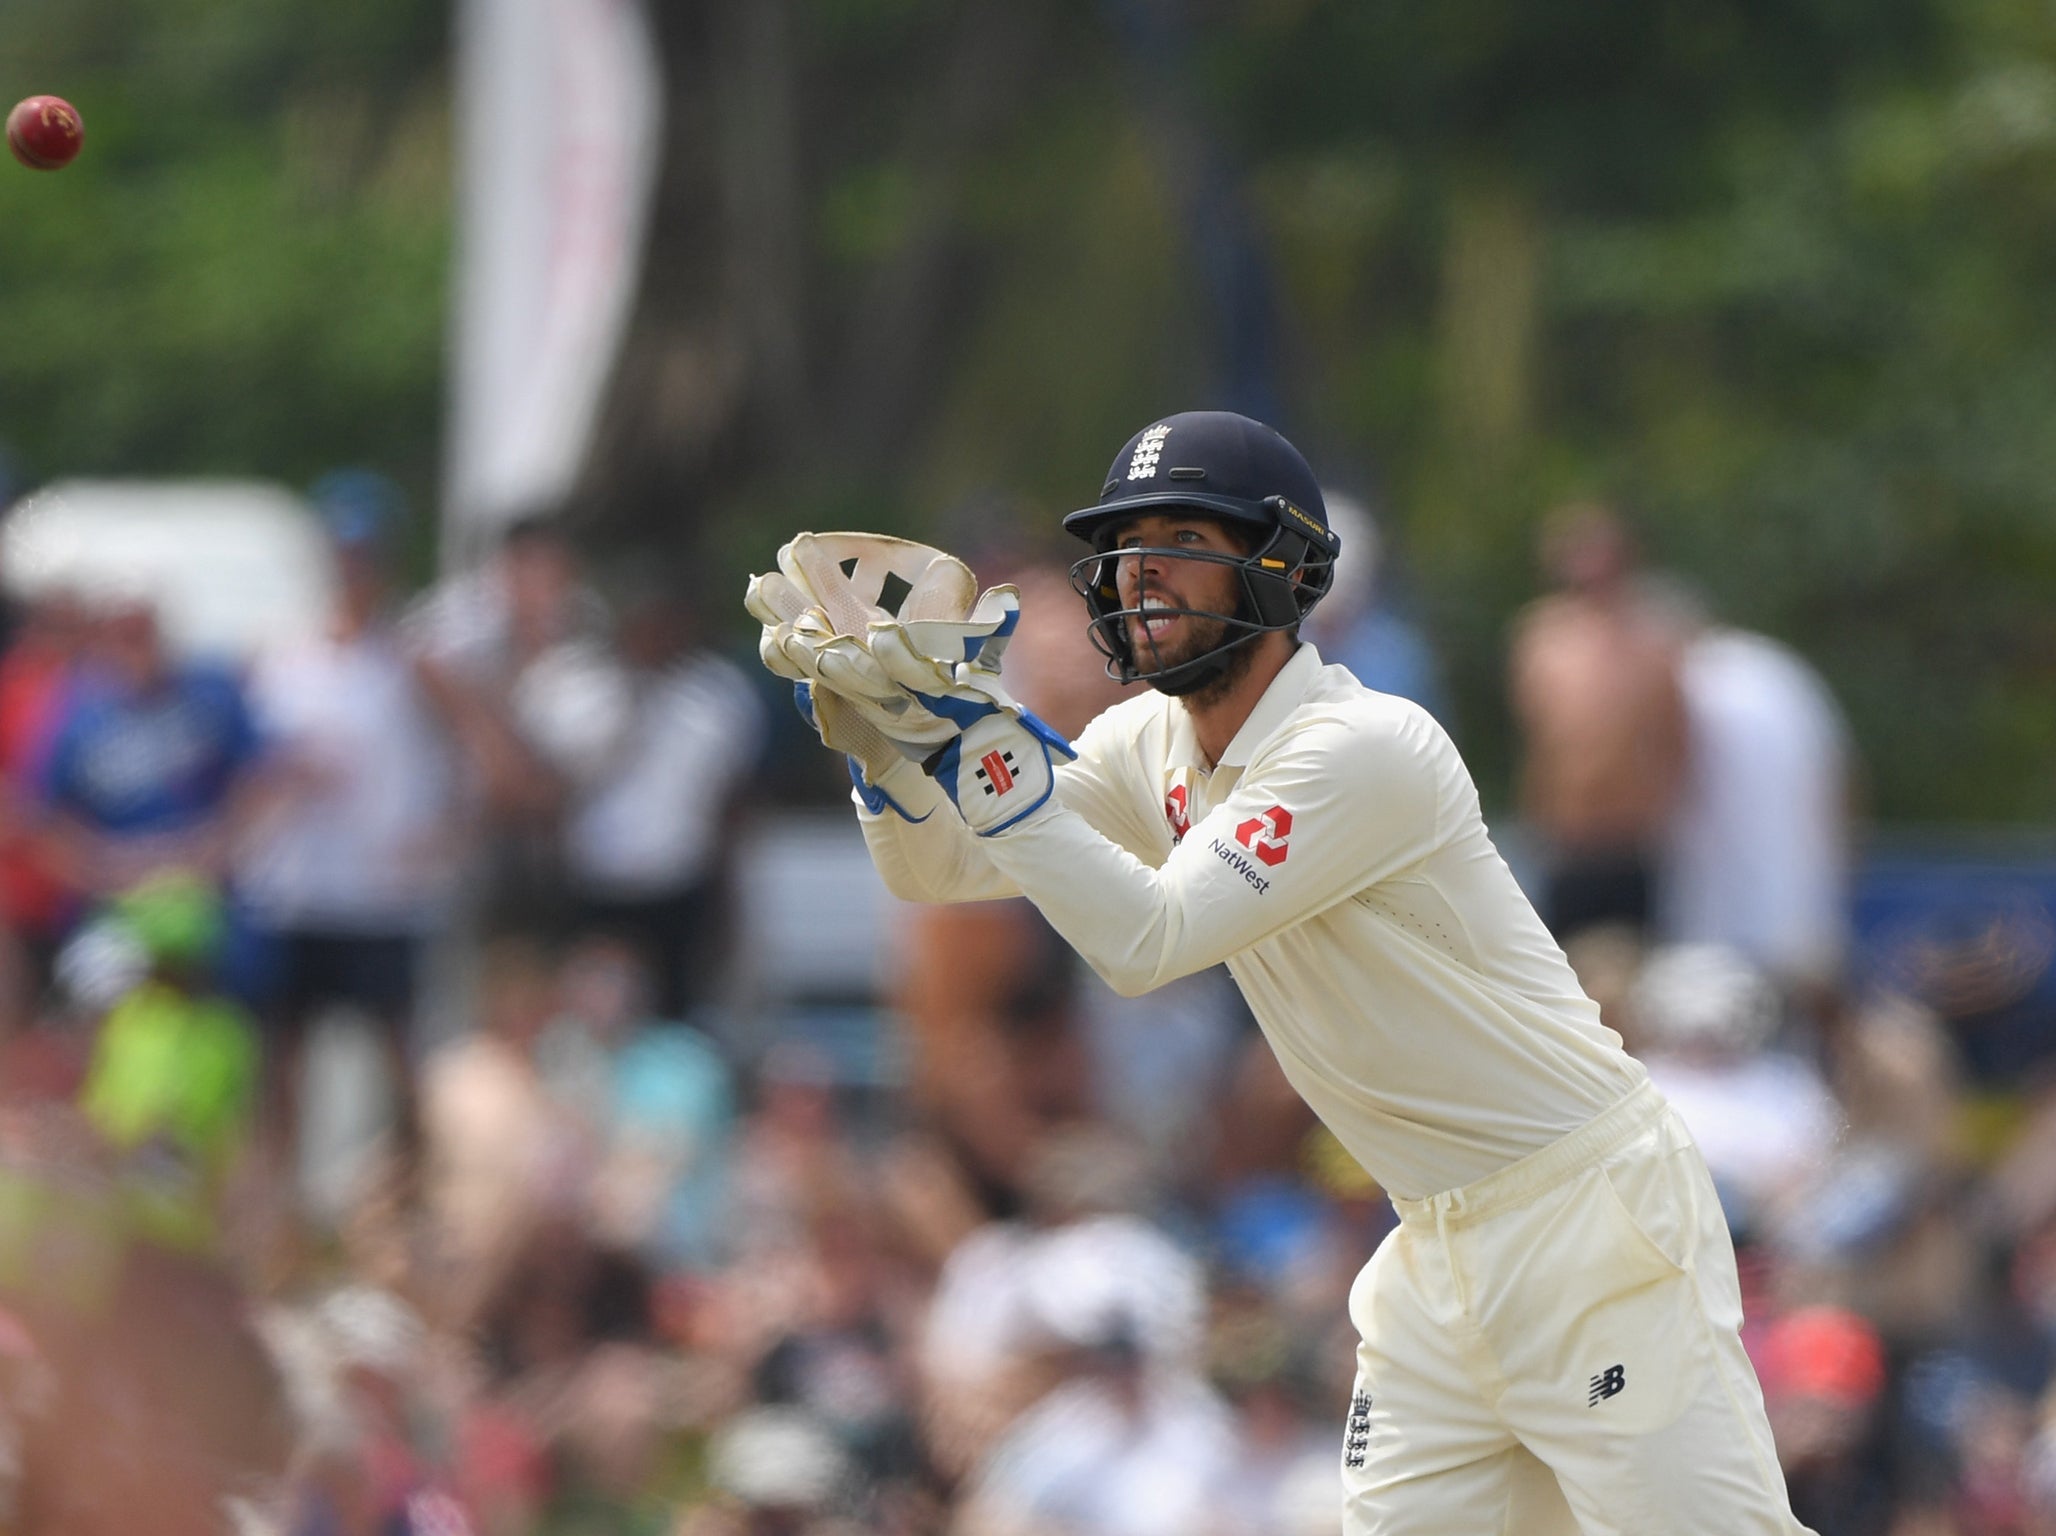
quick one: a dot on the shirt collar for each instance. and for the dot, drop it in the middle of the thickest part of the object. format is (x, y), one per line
(1287, 689)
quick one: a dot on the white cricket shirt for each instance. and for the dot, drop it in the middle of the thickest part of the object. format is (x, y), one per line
(1337, 861)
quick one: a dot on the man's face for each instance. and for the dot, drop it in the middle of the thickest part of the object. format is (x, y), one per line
(540, 576)
(1586, 550)
(1153, 581)
(132, 644)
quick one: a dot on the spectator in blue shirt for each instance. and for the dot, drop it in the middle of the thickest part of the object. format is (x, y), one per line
(151, 765)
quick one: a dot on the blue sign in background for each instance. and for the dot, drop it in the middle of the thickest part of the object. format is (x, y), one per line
(1970, 931)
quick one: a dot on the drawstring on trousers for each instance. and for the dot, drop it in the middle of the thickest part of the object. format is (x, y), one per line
(1453, 1200)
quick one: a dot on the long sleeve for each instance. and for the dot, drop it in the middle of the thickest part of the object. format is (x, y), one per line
(936, 858)
(1334, 805)
(939, 859)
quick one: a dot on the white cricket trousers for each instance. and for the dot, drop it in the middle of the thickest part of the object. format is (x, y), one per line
(1555, 1350)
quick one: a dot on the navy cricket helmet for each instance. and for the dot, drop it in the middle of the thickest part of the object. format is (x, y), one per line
(1233, 469)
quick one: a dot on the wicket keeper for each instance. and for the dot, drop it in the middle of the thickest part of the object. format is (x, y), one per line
(1549, 1339)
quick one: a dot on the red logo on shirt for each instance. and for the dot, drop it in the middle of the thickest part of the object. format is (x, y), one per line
(1177, 813)
(996, 768)
(1265, 835)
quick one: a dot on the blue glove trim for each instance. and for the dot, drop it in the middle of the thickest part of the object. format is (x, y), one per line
(961, 713)
(1048, 735)
(943, 766)
(876, 800)
(998, 636)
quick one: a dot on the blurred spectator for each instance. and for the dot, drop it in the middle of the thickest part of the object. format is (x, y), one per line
(651, 833)
(656, 1100)
(499, 1158)
(988, 993)
(1704, 1019)
(1116, 1449)
(169, 1398)
(1360, 624)
(1284, 1436)
(1083, 1267)
(37, 673)
(153, 764)
(348, 870)
(516, 655)
(1156, 1063)
(796, 1162)
(615, 1471)
(362, 1359)
(778, 1473)
(840, 1354)
(1823, 1374)
(172, 1086)
(1594, 679)
(1757, 856)
(1000, 1014)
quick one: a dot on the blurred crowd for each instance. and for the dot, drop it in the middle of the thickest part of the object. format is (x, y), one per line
(387, 1144)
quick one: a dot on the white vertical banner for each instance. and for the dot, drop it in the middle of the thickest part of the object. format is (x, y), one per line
(560, 121)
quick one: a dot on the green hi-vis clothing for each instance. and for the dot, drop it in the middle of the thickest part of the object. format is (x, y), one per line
(173, 1085)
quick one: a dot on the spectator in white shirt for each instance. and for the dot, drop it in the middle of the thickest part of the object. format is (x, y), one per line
(349, 871)
(1758, 843)
(649, 833)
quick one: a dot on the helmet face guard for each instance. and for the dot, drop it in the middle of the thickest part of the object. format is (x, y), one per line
(1280, 581)
(1235, 471)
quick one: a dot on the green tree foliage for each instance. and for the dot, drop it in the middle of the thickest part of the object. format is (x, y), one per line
(1770, 274)
(1773, 274)
(245, 270)
(1766, 272)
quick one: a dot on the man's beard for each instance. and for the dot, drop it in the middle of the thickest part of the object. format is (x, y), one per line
(1200, 637)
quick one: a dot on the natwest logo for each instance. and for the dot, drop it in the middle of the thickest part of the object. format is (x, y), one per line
(1178, 812)
(1264, 835)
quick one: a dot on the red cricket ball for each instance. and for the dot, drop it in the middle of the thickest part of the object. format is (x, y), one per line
(45, 132)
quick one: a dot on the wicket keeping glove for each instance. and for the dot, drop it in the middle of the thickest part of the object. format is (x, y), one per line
(849, 579)
(830, 587)
(840, 582)
(882, 775)
(1000, 766)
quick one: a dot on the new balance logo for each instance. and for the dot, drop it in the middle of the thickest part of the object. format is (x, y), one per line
(1356, 1440)
(1606, 1384)
(995, 772)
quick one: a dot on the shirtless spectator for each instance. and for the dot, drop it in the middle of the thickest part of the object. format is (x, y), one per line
(1594, 679)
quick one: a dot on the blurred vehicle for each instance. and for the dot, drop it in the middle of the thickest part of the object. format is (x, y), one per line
(230, 565)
